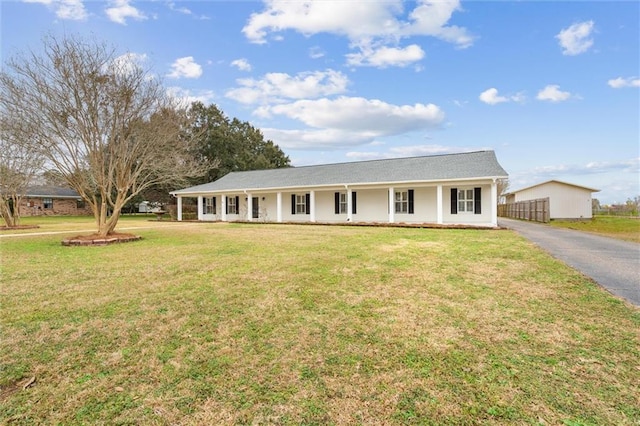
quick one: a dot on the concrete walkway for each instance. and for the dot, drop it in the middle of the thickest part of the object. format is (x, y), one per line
(613, 264)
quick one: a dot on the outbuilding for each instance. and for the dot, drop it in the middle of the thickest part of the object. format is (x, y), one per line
(565, 200)
(457, 189)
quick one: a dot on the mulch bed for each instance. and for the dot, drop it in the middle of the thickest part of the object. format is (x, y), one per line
(97, 240)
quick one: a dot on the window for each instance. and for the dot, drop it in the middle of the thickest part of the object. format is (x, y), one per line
(232, 205)
(210, 205)
(465, 200)
(341, 202)
(301, 204)
(80, 204)
(402, 201)
(47, 203)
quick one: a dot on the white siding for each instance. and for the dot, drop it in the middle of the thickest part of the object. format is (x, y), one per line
(565, 201)
(372, 206)
(467, 218)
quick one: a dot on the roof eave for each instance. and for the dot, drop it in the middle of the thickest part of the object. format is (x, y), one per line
(335, 185)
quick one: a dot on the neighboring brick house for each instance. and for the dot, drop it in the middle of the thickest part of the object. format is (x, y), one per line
(51, 200)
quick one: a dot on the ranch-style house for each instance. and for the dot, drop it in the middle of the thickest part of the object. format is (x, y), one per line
(452, 189)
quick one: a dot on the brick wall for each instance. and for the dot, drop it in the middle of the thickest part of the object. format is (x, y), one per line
(58, 206)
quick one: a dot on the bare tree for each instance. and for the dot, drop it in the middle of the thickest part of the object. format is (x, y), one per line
(103, 121)
(18, 167)
(502, 187)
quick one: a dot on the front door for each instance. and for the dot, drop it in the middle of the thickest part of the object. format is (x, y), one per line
(255, 208)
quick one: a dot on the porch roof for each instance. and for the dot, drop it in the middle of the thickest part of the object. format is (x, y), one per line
(463, 166)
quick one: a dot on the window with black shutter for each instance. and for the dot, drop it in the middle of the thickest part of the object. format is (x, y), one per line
(454, 200)
(410, 201)
(477, 209)
(353, 203)
(466, 200)
(300, 203)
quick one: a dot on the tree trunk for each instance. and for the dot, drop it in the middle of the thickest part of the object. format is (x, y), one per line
(9, 211)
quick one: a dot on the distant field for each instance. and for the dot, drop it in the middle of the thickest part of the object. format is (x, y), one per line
(283, 324)
(623, 228)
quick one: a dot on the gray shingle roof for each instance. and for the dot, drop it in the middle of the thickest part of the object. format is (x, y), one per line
(48, 191)
(469, 165)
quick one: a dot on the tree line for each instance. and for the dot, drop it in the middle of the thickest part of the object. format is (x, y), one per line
(106, 127)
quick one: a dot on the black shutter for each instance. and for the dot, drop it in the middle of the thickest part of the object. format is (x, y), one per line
(454, 200)
(477, 201)
(337, 203)
(237, 205)
(204, 205)
(293, 203)
(411, 201)
(226, 205)
(353, 203)
(215, 211)
(307, 202)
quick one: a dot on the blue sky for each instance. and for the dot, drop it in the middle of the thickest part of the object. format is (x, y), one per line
(552, 87)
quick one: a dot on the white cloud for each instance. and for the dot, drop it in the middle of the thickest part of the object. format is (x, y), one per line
(316, 52)
(187, 97)
(348, 121)
(121, 10)
(128, 63)
(242, 64)
(431, 17)
(384, 56)
(359, 114)
(491, 97)
(185, 67)
(65, 9)
(316, 138)
(553, 93)
(576, 38)
(274, 87)
(180, 9)
(407, 151)
(618, 83)
(379, 24)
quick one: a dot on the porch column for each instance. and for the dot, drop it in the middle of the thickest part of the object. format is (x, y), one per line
(179, 209)
(349, 204)
(494, 203)
(200, 203)
(223, 208)
(392, 194)
(312, 205)
(439, 210)
(279, 207)
(249, 208)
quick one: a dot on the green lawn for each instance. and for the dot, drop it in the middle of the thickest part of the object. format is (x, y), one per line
(283, 324)
(624, 228)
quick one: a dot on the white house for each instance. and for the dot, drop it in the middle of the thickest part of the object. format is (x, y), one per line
(566, 200)
(440, 189)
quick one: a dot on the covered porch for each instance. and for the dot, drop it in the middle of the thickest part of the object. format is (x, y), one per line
(472, 202)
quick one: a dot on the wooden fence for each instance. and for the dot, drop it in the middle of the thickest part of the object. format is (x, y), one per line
(534, 210)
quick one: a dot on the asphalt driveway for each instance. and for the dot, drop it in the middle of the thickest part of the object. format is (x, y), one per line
(613, 264)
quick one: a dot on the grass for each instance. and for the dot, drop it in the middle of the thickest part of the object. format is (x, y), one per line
(624, 228)
(284, 324)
